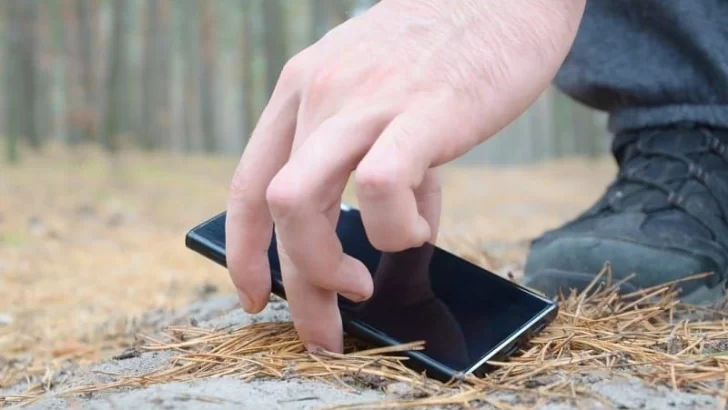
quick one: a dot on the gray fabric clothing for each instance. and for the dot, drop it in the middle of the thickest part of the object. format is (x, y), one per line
(651, 62)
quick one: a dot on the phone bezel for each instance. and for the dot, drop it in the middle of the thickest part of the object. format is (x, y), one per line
(196, 241)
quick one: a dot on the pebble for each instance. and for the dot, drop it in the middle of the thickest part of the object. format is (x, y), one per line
(5, 319)
(399, 389)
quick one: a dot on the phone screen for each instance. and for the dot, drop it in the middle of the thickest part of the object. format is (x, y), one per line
(461, 312)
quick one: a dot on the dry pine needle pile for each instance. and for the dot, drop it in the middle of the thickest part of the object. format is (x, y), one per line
(648, 333)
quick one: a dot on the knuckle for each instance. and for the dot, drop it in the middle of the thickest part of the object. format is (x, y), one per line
(293, 69)
(283, 197)
(388, 233)
(326, 82)
(324, 78)
(430, 188)
(374, 183)
(239, 186)
(242, 193)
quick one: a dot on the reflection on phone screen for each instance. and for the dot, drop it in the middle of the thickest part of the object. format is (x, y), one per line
(461, 312)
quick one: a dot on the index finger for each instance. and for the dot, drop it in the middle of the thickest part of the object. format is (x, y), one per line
(248, 225)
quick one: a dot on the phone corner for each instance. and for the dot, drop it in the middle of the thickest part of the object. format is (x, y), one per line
(190, 238)
(480, 370)
(554, 309)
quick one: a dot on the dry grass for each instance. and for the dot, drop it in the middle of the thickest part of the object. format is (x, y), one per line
(84, 254)
(88, 246)
(650, 334)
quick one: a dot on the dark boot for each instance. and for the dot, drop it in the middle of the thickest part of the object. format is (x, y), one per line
(664, 218)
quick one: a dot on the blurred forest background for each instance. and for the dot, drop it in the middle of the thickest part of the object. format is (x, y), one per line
(193, 75)
(121, 122)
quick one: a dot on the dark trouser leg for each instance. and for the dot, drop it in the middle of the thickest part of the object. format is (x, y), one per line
(660, 69)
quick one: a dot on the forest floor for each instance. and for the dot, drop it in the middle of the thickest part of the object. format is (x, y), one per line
(92, 258)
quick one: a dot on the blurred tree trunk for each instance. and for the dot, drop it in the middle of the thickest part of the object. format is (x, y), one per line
(85, 12)
(44, 71)
(208, 74)
(585, 129)
(163, 125)
(13, 41)
(564, 135)
(117, 118)
(247, 54)
(151, 32)
(22, 90)
(74, 112)
(156, 76)
(57, 84)
(319, 19)
(28, 70)
(326, 14)
(164, 85)
(337, 12)
(189, 47)
(542, 127)
(274, 39)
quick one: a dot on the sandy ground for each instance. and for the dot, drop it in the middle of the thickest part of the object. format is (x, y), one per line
(90, 257)
(231, 393)
(87, 246)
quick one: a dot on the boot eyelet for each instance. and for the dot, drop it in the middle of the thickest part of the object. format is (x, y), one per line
(614, 199)
(674, 198)
(717, 146)
(696, 170)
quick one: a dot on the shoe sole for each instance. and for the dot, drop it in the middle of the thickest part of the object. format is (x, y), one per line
(705, 295)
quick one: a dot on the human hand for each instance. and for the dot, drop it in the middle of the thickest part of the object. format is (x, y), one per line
(390, 95)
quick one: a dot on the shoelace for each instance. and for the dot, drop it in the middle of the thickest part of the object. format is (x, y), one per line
(671, 185)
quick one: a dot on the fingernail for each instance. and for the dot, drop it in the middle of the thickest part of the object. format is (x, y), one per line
(245, 301)
(353, 297)
(423, 229)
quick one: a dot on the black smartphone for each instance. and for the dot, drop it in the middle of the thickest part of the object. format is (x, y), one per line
(465, 315)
